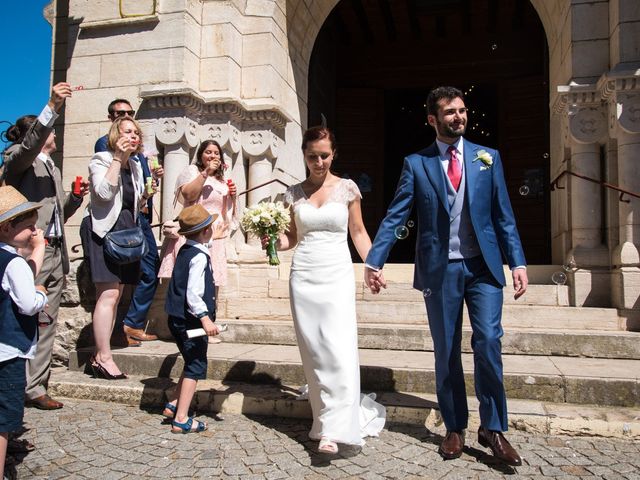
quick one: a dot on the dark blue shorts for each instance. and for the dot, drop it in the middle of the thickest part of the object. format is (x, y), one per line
(193, 350)
(13, 380)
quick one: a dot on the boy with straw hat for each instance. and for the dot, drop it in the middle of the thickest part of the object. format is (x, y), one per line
(190, 304)
(20, 303)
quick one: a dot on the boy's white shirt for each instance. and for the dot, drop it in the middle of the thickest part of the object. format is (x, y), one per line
(18, 281)
(195, 283)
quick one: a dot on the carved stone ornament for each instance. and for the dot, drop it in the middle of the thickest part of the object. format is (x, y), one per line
(628, 112)
(588, 125)
(225, 133)
(173, 130)
(259, 141)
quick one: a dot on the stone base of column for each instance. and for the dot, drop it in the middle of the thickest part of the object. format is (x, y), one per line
(590, 287)
(625, 288)
(590, 279)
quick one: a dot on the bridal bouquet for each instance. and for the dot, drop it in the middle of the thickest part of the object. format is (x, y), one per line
(267, 218)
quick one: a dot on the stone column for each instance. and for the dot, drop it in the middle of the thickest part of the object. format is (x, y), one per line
(588, 255)
(176, 135)
(623, 94)
(259, 145)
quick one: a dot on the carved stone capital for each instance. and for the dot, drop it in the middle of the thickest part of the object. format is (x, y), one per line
(622, 92)
(171, 130)
(258, 130)
(584, 117)
(259, 141)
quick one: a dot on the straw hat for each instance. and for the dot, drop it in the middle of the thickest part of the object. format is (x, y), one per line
(195, 218)
(13, 204)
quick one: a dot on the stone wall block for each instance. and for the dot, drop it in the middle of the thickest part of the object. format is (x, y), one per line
(85, 72)
(222, 40)
(263, 49)
(261, 81)
(143, 67)
(221, 74)
(79, 140)
(589, 58)
(169, 32)
(90, 105)
(589, 21)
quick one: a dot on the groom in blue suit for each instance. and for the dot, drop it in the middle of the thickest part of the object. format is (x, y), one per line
(465, 226)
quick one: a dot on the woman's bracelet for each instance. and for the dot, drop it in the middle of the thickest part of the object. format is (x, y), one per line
(114, 159)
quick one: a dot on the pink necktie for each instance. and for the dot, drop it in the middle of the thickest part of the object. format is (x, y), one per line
(454, 172)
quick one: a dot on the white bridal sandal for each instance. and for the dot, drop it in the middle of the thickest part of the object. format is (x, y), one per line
(327, 446)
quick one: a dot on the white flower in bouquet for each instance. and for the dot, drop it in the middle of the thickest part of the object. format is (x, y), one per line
(267, 218)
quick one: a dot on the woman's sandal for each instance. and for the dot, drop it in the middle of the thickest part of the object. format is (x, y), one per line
(327, 446)
(187, 427)
(169, 410)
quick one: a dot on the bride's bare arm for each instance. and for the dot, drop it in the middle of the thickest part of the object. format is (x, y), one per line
(357, 230)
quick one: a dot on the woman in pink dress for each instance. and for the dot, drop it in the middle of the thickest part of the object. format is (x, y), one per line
(203, 183)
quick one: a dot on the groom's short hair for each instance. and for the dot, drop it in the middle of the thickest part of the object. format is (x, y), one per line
(438, 94)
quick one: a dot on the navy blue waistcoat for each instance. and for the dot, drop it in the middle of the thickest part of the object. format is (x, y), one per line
(176, 301)
(16, 329)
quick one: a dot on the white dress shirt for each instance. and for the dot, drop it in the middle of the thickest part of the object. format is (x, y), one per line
(47, 116)
(18, 282)
(195, 284)
(445, 156)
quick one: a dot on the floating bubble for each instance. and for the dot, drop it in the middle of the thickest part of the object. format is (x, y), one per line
(494, 46)
(410, 224)
(545, 155)
(573, 109)
(401, 232)
(523, 190)
(559, 278)
(570, 265)
(426, 292)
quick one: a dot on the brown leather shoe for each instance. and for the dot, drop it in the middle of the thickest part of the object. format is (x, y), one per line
(138, 334)
(500, 447)
(43, 402)
(452, 445)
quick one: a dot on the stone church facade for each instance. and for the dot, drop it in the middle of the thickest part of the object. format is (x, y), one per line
(238, 71)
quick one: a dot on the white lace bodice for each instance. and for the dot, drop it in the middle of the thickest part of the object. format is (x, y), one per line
(322, 230)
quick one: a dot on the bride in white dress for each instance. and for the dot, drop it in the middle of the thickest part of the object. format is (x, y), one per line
(325, 208)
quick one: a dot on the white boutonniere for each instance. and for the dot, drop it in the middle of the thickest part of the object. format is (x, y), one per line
(485, 157)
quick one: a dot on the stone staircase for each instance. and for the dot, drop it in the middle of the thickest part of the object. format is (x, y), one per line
(553, 353)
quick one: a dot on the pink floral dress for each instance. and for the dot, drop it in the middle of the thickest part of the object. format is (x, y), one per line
(215, 198)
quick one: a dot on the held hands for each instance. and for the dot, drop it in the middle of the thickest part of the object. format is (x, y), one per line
(374, 280)
(209, 327)
(59, 93)
(520, 282)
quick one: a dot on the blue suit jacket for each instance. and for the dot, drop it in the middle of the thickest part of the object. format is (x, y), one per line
(422, 184)
(102, 146)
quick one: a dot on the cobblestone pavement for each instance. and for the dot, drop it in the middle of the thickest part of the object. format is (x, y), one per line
(110, 441)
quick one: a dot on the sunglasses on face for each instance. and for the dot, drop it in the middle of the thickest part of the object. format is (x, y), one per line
(122, 113)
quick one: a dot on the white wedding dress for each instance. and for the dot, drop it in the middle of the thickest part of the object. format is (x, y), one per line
(322, 292)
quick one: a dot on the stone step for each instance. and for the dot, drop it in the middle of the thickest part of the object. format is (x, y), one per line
(550, 295)
(280, 400)
(413, 313)
(527, 341)
(543, 378)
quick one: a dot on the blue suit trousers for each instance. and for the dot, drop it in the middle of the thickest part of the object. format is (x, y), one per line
(146, 289)
(471, 282)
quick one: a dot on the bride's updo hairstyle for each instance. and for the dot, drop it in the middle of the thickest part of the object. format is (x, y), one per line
(314, 134)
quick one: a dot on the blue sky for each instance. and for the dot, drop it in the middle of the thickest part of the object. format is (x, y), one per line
(26, 41)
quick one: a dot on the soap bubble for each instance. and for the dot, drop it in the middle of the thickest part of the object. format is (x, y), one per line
(545, 155)
(494, 46)
(573, 109)
(524, 190)
(426, 292)
(410, 224)
(559, 278)
(401, 232)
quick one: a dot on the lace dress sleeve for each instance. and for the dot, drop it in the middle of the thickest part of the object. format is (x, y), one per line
(350, 191)
(292, 195)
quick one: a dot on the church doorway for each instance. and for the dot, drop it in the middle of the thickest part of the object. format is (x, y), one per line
(373, 63)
